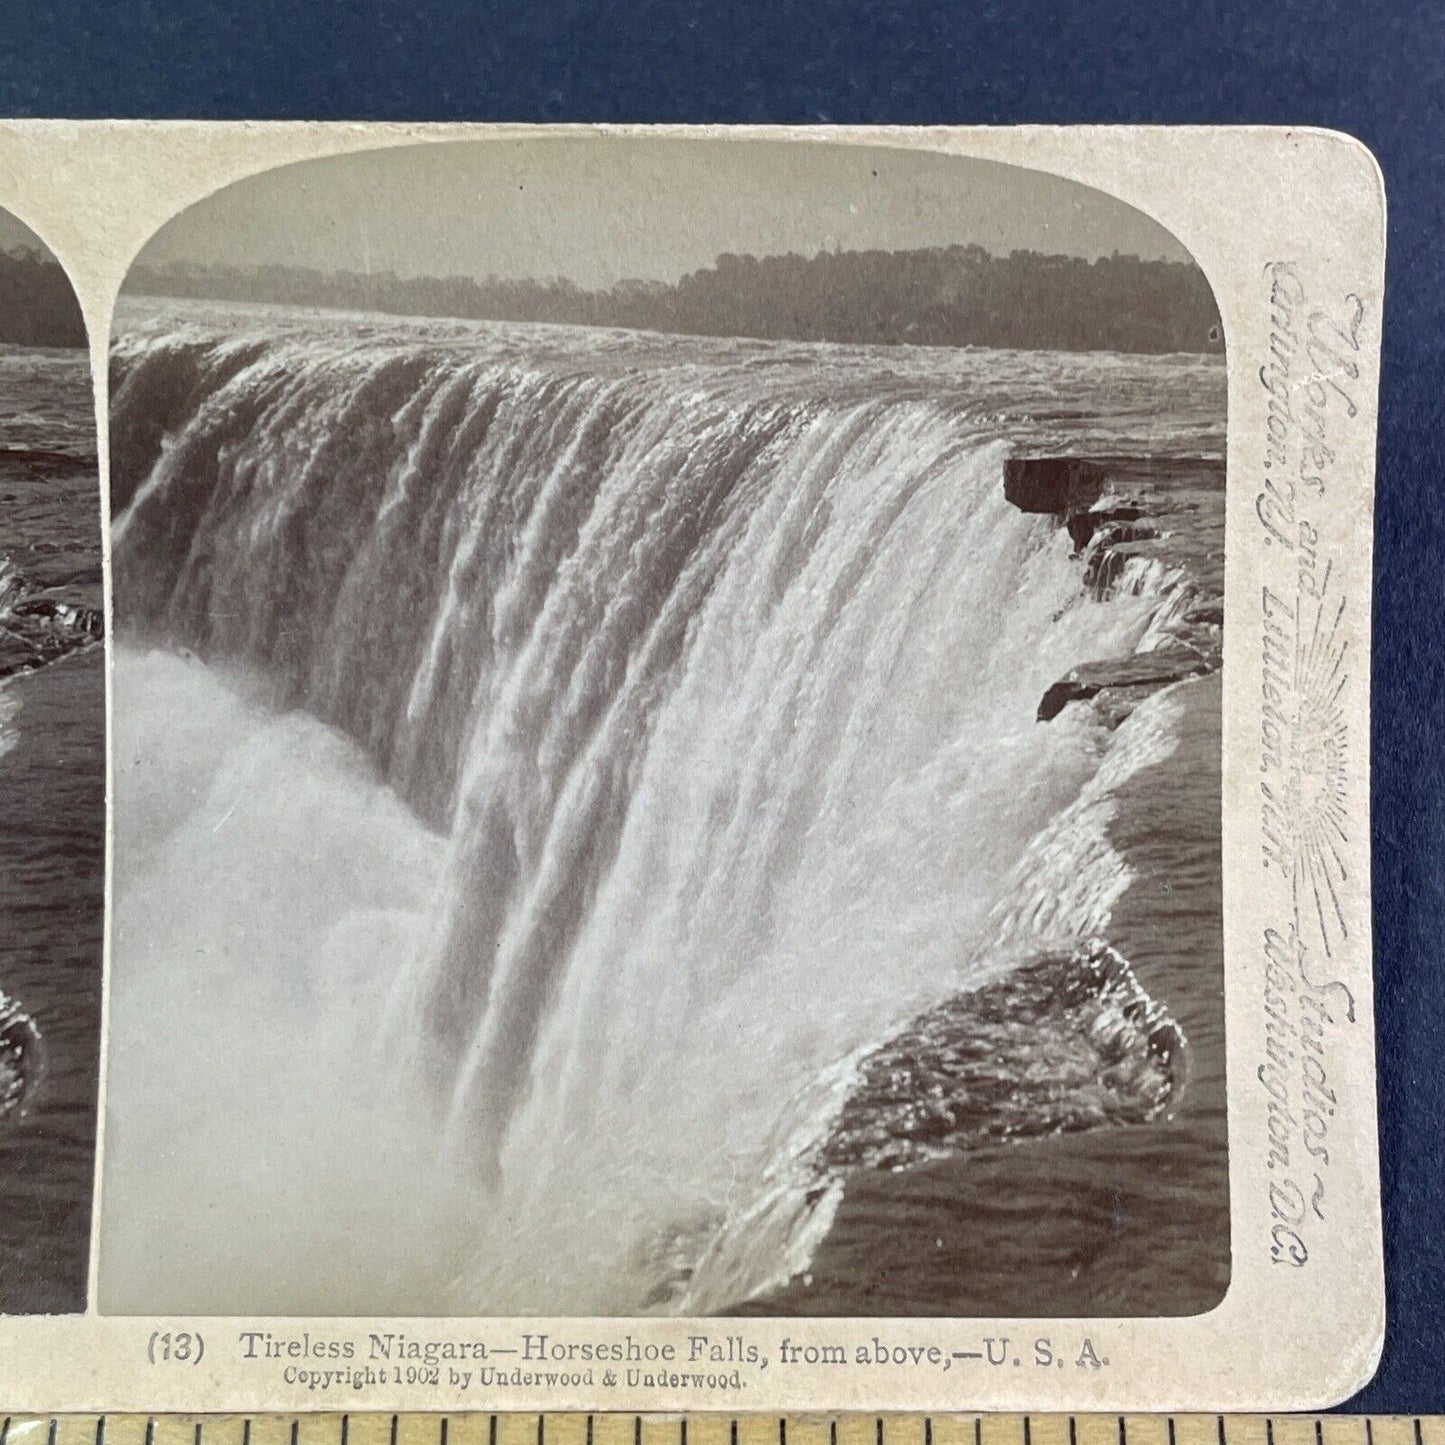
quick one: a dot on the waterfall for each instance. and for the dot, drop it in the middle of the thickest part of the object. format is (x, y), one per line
(620, 736)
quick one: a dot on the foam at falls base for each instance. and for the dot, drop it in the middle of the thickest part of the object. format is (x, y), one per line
(267, 889)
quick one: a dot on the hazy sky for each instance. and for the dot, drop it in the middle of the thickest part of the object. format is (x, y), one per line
(596, 211)
(15, 233)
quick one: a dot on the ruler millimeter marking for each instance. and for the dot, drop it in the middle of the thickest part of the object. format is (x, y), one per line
(823, 1428)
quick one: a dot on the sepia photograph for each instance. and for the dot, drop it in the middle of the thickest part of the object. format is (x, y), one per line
(52, 782)
(666, 741)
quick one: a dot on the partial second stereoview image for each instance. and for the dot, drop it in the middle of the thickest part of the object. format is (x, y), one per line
(666, 742)
(52, 782)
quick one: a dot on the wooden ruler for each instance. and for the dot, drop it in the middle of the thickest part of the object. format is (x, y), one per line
(705, 1429)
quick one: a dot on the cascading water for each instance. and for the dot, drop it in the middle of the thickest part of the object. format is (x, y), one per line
(547, 762)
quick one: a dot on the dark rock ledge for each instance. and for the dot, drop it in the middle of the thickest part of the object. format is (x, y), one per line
(1117, 509)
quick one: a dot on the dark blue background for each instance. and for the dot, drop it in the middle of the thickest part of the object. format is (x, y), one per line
(1374, 69)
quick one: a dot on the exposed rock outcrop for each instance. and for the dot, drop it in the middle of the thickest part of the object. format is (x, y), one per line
(1131, 677)
(1127, 517)
(1063, 486)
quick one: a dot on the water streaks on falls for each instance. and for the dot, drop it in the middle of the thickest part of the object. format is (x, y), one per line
(716, 668)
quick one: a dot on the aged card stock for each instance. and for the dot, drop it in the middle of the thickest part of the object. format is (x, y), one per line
(737, 767)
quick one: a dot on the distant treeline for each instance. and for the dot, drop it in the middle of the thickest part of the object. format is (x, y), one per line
(953, 296)
(37, 305)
